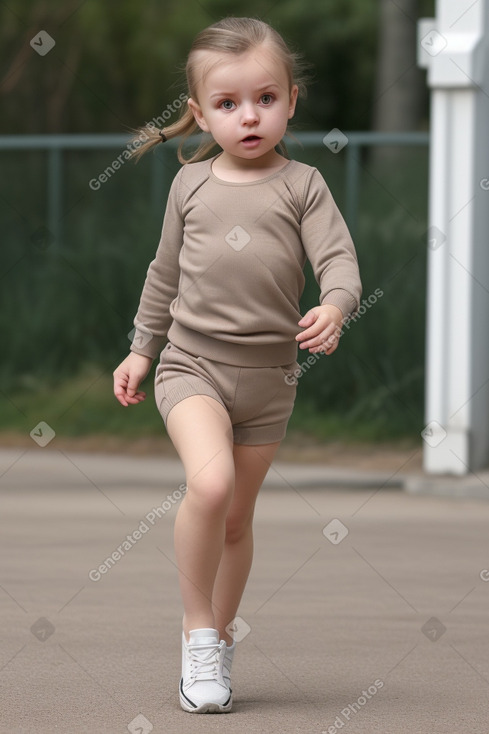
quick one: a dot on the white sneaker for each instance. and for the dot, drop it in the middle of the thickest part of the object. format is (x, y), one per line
(228, 661)
(203, 688)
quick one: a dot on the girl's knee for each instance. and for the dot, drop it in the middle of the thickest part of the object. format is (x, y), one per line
(212, 492)
(237, 526)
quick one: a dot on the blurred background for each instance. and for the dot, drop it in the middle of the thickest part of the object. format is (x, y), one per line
(76, 245)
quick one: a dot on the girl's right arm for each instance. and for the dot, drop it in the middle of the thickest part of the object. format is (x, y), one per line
(128, 376)
(153, 318)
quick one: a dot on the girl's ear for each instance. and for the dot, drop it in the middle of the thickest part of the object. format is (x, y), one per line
(293, 99)
(197, 113)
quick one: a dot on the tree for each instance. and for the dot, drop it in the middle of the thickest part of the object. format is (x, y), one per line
(115, 66)
(399, 86)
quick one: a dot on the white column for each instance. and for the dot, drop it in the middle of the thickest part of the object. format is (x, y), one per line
(454, 49)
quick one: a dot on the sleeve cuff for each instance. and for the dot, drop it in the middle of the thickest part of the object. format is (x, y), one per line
(344, 300)
(145, 343)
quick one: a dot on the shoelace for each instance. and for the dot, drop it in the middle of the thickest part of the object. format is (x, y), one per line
(204, 661)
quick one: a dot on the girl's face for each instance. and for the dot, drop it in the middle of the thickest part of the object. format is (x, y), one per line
(244, 102)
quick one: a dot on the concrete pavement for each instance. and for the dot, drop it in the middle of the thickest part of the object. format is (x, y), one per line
(366, 609)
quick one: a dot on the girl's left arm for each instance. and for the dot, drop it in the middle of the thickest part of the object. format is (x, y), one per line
(331, 252)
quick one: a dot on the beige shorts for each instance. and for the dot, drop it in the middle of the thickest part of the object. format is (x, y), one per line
(259, 400)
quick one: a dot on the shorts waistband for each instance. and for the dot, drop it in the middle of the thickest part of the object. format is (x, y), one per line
(238, 354)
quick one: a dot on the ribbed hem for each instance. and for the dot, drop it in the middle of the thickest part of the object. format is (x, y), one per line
(343, 300)
(145, 352)
(187, 390)
(145, 343)
(239, 355)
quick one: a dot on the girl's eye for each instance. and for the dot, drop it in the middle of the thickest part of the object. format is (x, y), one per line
(266, 99)
(227, 104)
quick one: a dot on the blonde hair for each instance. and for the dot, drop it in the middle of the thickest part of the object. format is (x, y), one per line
(230, 36)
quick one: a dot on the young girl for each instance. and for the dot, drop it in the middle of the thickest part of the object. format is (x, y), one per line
(223, 293)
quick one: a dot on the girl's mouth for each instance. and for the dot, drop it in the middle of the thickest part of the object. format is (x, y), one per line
(251, 140)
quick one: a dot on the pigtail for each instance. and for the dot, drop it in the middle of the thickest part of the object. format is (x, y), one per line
(150, 136)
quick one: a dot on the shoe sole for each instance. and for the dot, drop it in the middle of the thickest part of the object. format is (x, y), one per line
(205, 708)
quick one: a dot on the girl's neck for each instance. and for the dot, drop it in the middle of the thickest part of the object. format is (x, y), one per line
(240, 170)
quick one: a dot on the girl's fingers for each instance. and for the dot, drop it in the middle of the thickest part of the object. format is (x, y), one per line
(306, 340)
(323, 342)
(126, 400)
(121, 388)
(316, 340)
(139, 397)
(317, 331)
(135, 399)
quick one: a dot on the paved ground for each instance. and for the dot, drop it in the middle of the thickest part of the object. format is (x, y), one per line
(366, 610)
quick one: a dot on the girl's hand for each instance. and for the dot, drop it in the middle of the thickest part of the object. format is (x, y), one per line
(322, 329)
(128, 376)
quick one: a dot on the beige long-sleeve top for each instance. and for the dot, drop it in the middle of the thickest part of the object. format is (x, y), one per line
(228, 272)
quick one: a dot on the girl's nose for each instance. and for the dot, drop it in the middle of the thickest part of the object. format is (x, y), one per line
(249, 114)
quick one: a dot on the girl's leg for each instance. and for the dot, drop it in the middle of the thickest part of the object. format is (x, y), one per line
(201, 432)
(251, 465)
